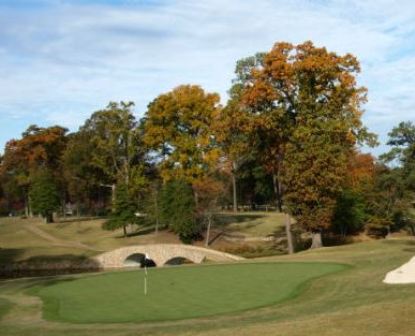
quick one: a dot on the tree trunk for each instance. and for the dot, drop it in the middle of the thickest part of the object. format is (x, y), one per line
(234, 192)
(290, 244)
(63, 204)
(208, 230)
(30, 206)
(124, 228)
(317, 241)
(412, 228)
(277, 192)
(156, 208)
(113, 197)
(388, 235)
(49, 218)
(196, 197)
(26, 208)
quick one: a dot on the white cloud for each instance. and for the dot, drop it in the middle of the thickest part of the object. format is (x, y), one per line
(63, 61)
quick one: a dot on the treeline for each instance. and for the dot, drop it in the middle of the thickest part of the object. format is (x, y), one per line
(289, 136)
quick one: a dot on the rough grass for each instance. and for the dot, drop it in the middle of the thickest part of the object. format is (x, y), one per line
(17, 243)
(5, 306)
(176, 293)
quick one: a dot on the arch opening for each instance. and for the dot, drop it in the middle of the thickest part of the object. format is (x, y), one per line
(178, 261)
(138, 260)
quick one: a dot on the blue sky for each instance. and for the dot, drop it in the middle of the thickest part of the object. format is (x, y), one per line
(60, 60)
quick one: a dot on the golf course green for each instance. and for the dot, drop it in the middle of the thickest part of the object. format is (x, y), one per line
(175, 293)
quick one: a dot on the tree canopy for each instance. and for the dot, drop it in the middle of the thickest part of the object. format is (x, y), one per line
(289, 137)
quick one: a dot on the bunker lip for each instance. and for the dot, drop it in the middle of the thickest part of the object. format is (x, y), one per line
(404, 274)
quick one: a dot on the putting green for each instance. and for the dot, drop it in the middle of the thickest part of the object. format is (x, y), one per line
(176, 292)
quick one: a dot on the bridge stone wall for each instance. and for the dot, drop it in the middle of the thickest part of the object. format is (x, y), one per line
(162, 253)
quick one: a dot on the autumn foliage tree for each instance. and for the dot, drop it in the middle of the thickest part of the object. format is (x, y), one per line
(178, 130)
(351, 211)
(289, 135)
(309, 98)
(38, 148)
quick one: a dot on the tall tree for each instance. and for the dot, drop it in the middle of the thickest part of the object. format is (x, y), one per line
(234, 127)
(38, 148)
(114, 135)
(309, 108)
(402, 140)
(178, 130)
(401, 193)
(83, 179)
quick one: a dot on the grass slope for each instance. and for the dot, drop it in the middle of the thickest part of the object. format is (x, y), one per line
(254, 224)
(176, 293)
(74, 239)
(5, 306)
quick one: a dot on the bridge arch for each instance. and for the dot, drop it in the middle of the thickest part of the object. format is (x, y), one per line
(138, 260)
(178, 261)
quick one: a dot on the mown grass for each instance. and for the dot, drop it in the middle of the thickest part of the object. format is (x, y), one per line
(353, 302)
(176, 293)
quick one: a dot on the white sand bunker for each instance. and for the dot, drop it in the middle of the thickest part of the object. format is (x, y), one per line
(402, 275)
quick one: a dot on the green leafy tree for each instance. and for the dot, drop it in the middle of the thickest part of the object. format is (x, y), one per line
(349, 214)
(116, 142)
(83, 179)
(177, 210)
(385, 201)
(124, 212)
(150, 206)
(234, 127)
(44, 195)
(398, 183)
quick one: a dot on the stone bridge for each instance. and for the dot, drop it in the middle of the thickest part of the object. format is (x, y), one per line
(161, 255)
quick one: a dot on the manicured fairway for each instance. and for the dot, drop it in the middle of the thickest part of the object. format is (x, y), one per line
(176, 293)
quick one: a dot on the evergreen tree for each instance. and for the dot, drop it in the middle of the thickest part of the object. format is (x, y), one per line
(124, 210)
(177, 210)
(44, 195)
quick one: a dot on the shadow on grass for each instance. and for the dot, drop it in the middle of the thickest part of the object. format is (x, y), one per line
(226, 219)
(78, 219)
(9, 255)
(141, 232)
